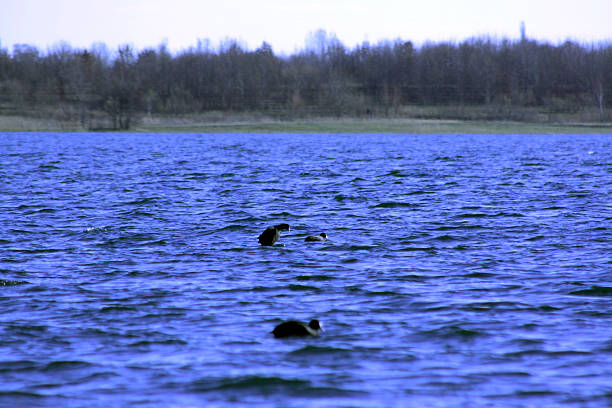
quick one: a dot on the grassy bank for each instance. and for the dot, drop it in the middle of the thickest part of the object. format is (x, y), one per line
(429, 126)
(240, 124)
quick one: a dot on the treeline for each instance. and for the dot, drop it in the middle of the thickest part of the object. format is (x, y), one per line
(98, 89)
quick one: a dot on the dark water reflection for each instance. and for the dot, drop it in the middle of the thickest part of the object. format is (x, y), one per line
(460, 270)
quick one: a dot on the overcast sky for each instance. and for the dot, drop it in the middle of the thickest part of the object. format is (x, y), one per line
(285, 24)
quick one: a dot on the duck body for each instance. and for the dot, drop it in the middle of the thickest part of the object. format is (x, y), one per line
(294, 328)
(313, 238)
(272, 234)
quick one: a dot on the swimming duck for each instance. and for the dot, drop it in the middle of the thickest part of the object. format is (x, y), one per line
(271, 234)
(321, 237)
(293, 328)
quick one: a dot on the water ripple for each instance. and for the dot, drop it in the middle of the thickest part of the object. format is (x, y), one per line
(460, 270)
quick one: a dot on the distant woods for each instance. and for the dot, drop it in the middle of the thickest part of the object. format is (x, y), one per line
(507, 79)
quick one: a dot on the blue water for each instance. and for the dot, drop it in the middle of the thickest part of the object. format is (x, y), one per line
(460, 270)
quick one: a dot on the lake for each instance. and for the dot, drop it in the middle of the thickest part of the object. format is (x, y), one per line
(460, 270)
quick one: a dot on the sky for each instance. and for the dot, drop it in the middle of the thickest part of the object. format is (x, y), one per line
(286, 24)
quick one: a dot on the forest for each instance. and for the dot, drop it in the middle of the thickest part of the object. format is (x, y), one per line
(506, 79)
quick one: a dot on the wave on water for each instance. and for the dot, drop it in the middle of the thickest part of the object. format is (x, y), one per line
(19, 398)
(452, 332)
(62, 365)
(314, 350)
(6, 282)
(394, 204)
(97, 229)
(269, 385)
(316, 278)
(598, 291)
(299, 288)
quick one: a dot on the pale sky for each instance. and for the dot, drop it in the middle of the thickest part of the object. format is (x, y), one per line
(285, 24)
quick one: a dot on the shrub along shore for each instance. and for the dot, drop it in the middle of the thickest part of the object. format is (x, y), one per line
(482, 84)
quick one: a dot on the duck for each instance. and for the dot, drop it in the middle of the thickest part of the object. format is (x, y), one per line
(272, 234)
(321, 237)
(294, 328)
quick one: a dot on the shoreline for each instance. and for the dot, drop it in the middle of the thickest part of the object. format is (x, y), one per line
(320, 125)
(391, 126)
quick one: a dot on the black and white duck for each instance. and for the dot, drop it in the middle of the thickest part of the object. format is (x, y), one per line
(272, 234)
(312, 238)
(294, 328)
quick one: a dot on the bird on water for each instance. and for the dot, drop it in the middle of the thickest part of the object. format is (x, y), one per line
(272, 234)
(321, 237)
(294, 328)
